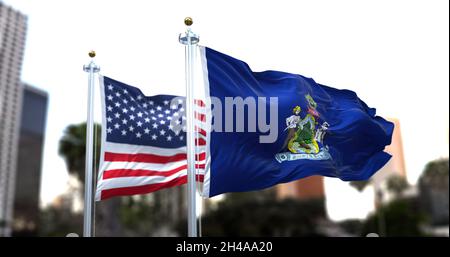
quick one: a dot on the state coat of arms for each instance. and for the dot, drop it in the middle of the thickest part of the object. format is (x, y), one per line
(305, 135)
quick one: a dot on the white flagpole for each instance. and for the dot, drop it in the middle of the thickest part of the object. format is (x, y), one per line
(91, 68)
(190, 40)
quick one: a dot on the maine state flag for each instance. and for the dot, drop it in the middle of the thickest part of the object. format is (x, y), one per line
(274, 127)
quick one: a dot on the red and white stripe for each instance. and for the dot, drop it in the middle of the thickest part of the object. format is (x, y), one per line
(134, 169)
(130, 169)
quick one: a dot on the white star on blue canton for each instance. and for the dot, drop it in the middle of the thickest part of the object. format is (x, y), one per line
(134, 118)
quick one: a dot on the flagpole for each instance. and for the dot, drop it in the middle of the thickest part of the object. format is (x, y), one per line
(91, 68)
(190, 40)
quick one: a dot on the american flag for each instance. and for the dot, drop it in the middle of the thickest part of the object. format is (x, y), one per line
(144, 141)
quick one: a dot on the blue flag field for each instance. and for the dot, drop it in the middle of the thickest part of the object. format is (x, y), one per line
(274, 127)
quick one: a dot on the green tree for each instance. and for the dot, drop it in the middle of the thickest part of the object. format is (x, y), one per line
(436, 174)
(259, 213)
(401, 216)
(352, 226)
(397, 184)
(434, 191)
(360, 184)
(72, 147)
(59, 221)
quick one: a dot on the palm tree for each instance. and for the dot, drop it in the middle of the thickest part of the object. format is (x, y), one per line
(72, 147)
(397, 184)
(360, 184)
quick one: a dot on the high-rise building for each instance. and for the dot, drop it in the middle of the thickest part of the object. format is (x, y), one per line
(28, 175)
(302, 189)
(13, 27)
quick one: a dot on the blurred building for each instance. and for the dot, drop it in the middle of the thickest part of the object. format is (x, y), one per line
(302, 189)
(28, 174)
(13, 27)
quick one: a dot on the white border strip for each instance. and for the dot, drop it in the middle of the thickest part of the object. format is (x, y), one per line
(103, 143)
(139, 181)
(143, 149)
(160, 167)
(207, 177)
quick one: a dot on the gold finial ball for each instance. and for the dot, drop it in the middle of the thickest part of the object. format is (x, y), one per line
(92, 54)
(188, 21)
